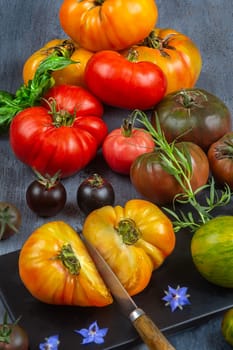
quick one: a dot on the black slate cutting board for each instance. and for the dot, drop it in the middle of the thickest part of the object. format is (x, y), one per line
(41, 320)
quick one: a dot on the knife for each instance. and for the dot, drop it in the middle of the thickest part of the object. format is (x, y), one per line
(148, 331)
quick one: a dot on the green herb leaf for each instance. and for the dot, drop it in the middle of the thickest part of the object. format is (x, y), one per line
(30, 95)
(176, 161)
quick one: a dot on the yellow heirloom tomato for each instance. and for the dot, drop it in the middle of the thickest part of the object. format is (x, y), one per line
(108, 24)
(134, 240)
(56, 268)
(73, 74)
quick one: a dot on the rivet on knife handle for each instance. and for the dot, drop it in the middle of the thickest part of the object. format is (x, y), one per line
(148, 331)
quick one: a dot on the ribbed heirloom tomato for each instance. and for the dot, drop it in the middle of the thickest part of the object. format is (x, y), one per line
(134, 240)
(63, 137)
(73, 74)
(108, 24)
(56, 268)
(175, 53)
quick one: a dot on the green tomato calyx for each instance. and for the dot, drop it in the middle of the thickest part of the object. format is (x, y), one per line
(224, 150)
(60, 117)
(153, 41)
(48, 181)
(6, 220)
(69, 259)
(129, 231)
(95, 180)
(190, 98)
(6, 329)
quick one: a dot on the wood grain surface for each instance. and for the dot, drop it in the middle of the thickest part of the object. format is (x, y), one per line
(25, 25)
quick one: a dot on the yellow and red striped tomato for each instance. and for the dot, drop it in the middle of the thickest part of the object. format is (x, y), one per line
(56, 268)
(134, 240)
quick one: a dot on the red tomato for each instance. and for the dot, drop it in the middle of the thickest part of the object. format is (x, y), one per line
(63, 139)
(175, 53)
(123, 145)
(74, 99)
(108, 24)
(119, 82)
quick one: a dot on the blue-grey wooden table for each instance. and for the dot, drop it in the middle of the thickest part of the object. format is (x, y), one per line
(26, 25)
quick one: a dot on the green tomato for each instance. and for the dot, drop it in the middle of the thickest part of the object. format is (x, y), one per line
(227, 326)
(212, 251)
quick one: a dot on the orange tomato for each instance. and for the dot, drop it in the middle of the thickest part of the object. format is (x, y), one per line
(175, 53)
(56, 268)
(134, 240)
(71, 75)
(108, 24)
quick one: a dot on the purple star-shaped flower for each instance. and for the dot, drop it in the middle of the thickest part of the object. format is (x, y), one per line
(51, 343)
(176, 298)
(93, 334)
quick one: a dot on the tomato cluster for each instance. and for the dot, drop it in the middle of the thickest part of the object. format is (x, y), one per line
(141, 68)
(115, 63)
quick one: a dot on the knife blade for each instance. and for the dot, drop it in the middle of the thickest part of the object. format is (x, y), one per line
(148, 331)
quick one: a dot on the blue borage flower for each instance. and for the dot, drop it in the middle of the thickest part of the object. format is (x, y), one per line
(51, 343)
(93, 334)
(176, 298)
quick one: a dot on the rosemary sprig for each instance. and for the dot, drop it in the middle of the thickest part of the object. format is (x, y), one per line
(177, 162)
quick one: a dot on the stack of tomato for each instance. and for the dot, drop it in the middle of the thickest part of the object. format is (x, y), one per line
(135, 67)
(120, 64)
(119, 53)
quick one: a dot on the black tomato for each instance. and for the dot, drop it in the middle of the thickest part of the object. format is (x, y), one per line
(94, 192)
(193, 115)
(10, 220)
(46, 196)
(13, 336)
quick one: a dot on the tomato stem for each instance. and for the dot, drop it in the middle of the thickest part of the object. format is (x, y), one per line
(95, 180)
(190, 98)
(48, 181)
(65, 49)
(62, 117)
(5, 220)
(224, 151)
(128, 230)
(6, 329)
(127, 127)
(98, 2)
(69, 259)
(155, 42)
(132, 55)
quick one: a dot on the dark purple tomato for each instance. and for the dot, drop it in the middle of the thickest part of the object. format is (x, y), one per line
(13, 337)
(94, 192)
(193, 115)
(10, 220)
(46, 196)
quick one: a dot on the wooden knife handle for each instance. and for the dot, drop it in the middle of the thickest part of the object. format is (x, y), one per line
(148, 331)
